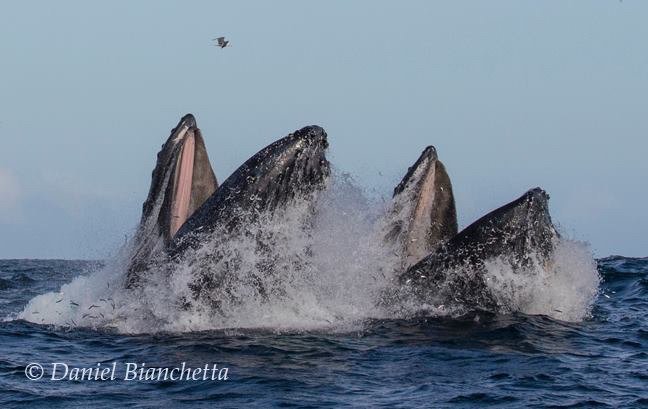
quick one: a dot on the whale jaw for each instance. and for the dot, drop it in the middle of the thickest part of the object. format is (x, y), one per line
(422, 214)
(181, 182)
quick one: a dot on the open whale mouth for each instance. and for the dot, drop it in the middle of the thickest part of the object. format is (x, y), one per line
(422, 214)
(181, 186)
(191, 180)
(181, 182)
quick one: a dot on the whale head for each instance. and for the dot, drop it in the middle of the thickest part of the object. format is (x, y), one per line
(519, 234)
(181, 182)
(292, 168)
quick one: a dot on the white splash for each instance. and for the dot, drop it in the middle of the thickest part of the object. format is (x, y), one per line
(328, 272)
(565, 289)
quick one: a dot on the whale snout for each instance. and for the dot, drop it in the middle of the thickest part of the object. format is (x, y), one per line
(430, 153)
(313, 135)
(186, 123)
(538, 193)
(188, 120)
(537, 198)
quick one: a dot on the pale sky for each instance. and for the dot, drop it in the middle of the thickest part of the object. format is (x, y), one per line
(514, 94)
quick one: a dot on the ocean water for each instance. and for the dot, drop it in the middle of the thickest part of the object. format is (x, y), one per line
(511, 360)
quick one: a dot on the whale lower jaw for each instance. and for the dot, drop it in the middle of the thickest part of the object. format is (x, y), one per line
(422, 214)
(181, 182)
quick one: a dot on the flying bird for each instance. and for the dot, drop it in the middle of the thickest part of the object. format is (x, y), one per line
(221, 42)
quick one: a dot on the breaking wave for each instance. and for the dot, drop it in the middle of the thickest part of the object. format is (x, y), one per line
(302, 269)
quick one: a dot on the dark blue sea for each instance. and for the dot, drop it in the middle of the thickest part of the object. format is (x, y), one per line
(486, 361)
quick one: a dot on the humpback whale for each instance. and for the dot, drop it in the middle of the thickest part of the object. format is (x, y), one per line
(422, 213)
(185, 206)
(289, 169)
(517, 234)
(180, 183)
